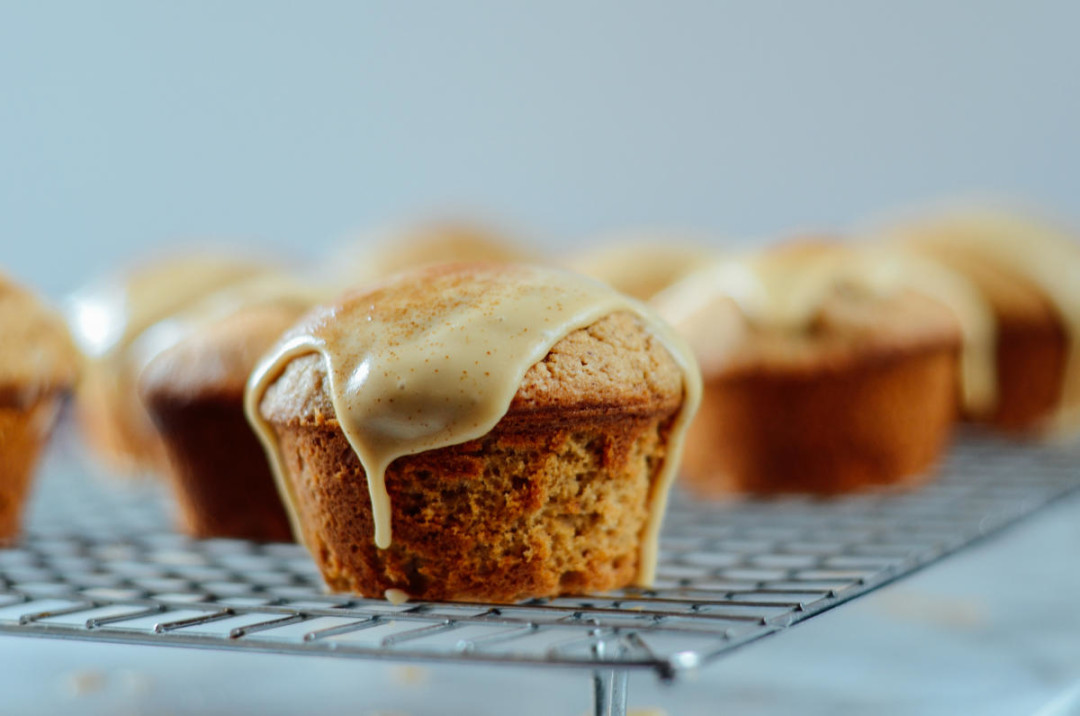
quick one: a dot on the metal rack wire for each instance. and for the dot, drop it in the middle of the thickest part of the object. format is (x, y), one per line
(103, 564)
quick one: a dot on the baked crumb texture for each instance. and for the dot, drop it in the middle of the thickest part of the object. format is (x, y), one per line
(553, 501)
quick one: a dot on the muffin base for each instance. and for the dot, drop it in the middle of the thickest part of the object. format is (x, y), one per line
(1031, 357)
(218, 470)
(873, 421)
(529, 510)
(23, 433)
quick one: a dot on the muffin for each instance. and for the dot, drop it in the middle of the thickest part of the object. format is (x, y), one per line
(640, 267)
(1029, 274)
(477, 432)
(385, 252)
(193, 391)
(107, 321)
(826, 369)
(38, 367)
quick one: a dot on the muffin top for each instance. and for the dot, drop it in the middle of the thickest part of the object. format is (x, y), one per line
(642, 268)
(209, 349)
(813, 304)
(383, 253)
(438, 356)
(612, 367)
(36, 354)
(1027, 268)
(109, 319)
(109, 316)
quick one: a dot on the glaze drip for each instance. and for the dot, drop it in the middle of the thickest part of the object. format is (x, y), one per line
(434, 357)
(1039, 253)
(785, 289)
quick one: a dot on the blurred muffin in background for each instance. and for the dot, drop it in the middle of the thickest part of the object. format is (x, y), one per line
(108, 320)
(38, 369)
(387, 251)
(826, 368)
(1028, 272)
(193, 391)
(640, 266)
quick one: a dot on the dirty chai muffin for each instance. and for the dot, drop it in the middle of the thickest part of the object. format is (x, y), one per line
(38, 368)
(108, 319)
(382, 253)
(193, 391)
(477, 433)
(1028, 272)
(642, 267)
(825, 370)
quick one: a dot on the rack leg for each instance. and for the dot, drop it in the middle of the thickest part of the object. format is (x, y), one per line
(609, 692)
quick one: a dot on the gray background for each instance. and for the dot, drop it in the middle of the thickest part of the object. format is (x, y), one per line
(127, 125)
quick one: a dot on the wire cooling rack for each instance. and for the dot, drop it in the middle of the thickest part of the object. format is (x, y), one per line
(103, 564)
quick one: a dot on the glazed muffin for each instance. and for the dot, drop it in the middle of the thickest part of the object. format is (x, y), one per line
(640, 267)
(108, 320)
(1029, 274)
(477, 432)
(193, 391)
(38, 367)
(826, 370)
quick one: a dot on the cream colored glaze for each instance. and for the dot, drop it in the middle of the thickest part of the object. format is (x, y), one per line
(436, 366)
(783, 289)
(396, 596)
(1042, 254)
(272, 288)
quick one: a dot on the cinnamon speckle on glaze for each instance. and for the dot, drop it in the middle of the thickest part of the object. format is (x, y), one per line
(503, 330)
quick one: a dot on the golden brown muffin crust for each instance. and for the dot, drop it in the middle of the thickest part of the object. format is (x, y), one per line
(880, 420)
(841, 384)
(24, 432)
(217, 359)
(37, 355)
(848, 325)
(522, 512)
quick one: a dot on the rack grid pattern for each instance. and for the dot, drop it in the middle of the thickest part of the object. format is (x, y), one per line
(103, 563)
